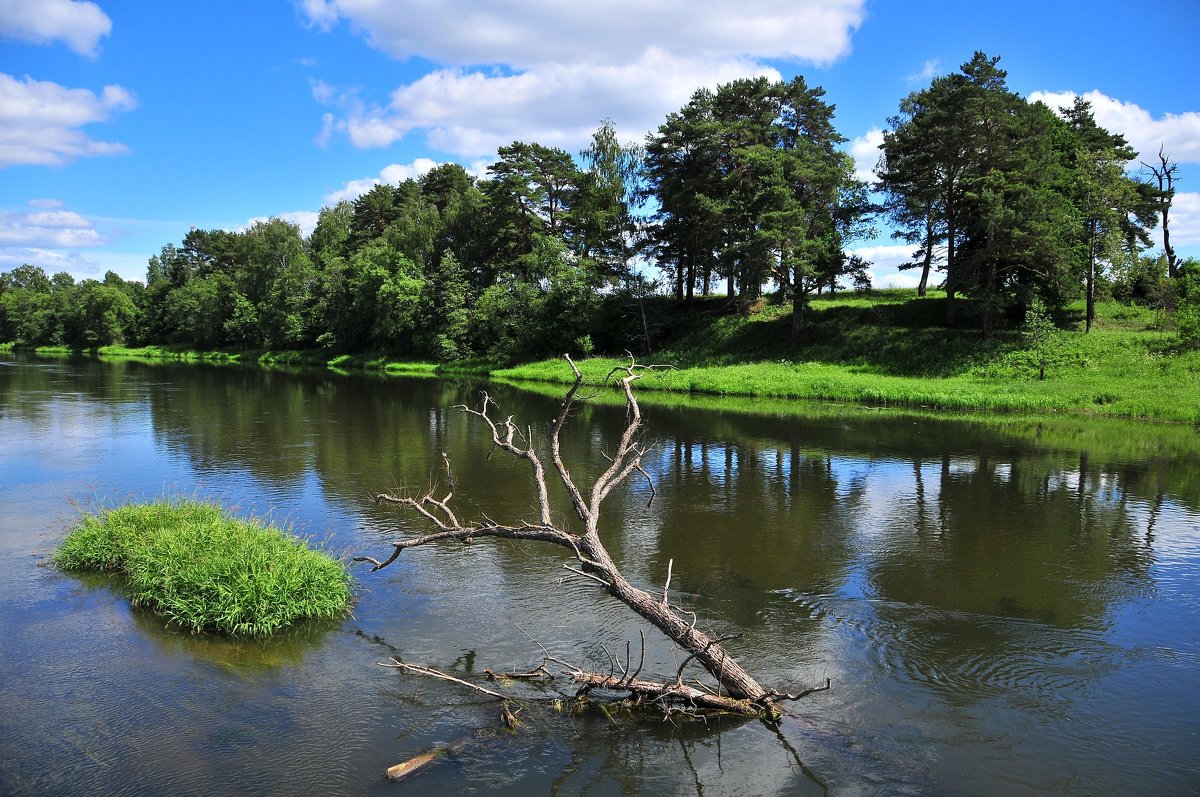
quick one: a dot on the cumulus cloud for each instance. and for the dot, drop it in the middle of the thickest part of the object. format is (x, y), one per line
(51, 236)
(306, 220)
(48, 227)
(885, 260)
(51, 261)
(528, 33)
(1178, 134)
(897, 279)
(40, 121)
(471, 113)
(548, 71)
(80, 24)
(392, 174)
(1185, 220)
(885, 255)
(865, 150)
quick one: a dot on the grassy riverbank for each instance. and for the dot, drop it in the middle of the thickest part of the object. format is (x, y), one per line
(206, 571)
(888, 348)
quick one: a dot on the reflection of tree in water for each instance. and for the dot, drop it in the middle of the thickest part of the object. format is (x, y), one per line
(1010, 578)
(745, 504)
(28, 387)
(1029, 537)
(741, 518)
(655, 756)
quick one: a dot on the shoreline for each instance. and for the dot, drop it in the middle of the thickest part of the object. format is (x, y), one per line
(1057, 396)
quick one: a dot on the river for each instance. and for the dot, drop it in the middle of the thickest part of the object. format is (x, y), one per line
(1004, 606)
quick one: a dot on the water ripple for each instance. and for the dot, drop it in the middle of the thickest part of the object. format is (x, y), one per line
(964, 655)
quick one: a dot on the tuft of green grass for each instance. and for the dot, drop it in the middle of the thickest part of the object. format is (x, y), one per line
(208, 571)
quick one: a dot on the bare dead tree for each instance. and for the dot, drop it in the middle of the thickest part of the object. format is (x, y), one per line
(735, 690)
(1164, 174)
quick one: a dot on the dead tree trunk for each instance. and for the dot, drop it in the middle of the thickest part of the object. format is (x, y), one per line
(1164, 174)
(737, 689)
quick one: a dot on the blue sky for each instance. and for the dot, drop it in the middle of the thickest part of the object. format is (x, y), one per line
(123, 124)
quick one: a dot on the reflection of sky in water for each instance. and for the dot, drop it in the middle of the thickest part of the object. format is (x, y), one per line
(928, 686)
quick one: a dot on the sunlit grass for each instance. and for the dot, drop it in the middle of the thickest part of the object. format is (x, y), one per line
(884, 348)
(887, 350)
(205, 570)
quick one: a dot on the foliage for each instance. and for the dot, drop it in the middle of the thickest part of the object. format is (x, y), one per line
(746, 185)
(1040, 333)
(751, 188)
(1187, 308)
(1007, 197)
(207, 571)
(881, 349)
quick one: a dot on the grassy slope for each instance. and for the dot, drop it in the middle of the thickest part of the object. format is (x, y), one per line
(888, 348)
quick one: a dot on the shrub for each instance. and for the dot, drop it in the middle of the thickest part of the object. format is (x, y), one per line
(207, 571)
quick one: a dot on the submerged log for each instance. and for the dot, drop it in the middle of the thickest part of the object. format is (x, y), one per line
(668, 696)
(419, 762)
(415, 764)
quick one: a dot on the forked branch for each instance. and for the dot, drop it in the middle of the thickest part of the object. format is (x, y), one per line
(736, 689)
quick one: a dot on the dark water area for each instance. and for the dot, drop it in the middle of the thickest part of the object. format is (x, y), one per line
(1004, 606)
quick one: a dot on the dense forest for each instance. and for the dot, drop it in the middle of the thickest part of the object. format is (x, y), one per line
(743, 192)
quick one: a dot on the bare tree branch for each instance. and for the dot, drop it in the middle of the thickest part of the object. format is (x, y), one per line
(432, 673)
(742, 693)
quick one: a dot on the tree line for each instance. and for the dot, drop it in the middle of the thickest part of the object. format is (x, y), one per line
(743, 190)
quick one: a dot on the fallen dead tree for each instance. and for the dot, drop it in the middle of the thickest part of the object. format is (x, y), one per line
(735, 689)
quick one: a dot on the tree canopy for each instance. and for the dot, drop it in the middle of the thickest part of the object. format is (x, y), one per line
(746, 186)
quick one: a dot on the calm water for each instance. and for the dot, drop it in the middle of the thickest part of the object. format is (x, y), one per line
(1004, 608)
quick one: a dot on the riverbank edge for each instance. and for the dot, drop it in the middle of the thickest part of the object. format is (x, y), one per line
(815, 382)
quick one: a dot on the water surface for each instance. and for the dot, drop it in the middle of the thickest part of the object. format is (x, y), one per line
(1004, 607)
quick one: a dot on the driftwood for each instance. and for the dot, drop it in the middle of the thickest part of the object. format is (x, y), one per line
(419, 762)
(735, 689)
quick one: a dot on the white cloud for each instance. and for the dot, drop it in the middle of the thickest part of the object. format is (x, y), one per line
(393, 174)
(551, 70)
(528, 33)
(1185, 220)
(1178, 134)
(49, 227)
(885, 255)
(306, 220)
(40, 121)
(55, 238)
(928, 71)
(80, 24)
(865, 150)
(897, 279)
(472, 113)
(885, 260)
(51, 261)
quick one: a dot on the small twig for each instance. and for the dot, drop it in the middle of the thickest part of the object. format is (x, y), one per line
(773, 695)
(642, 659)
(667, 585)
(711, 642)
(649, 482)
(597, 579)
(612, 662)
(397, 664)
(378, 565)
(536, 672)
